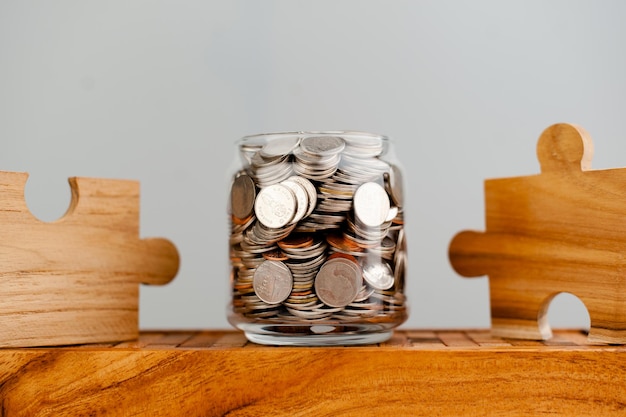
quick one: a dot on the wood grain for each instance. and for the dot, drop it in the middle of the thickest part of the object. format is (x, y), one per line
(76, 280)
(562, 230)
(417, 373)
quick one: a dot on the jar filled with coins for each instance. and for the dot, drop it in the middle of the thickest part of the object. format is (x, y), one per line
(317, 244)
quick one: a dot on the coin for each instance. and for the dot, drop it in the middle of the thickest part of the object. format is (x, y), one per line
(275, 206)
(364, 144)
(342, 255)
(378, 274)
(279, 146)
(275, 255)
(338, 282)
(371, 204)
(322, 145)
(393, 180)
(317, 157)
(302, 199)
(269, 170)
(393, 213)
(342, 244)
(310, 189)
(400, 271)
(364, 294)
(242, 196)
(272, 282)
(296, 241)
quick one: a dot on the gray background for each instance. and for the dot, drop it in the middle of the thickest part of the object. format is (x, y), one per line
(158, 91)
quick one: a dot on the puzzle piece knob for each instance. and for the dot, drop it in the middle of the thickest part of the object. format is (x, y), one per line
(466, 256)
(564, 147)
(158, 261)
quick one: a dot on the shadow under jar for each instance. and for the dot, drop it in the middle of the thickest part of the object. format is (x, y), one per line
(317, 242)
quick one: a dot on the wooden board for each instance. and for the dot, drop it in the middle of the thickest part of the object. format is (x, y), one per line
(563, 230)
(416, 373)
(76, 280)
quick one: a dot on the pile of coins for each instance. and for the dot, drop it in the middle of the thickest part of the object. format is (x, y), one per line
(317, 230)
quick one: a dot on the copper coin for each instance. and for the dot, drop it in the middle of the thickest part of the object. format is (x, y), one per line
(296, 241)
(275, 255)
(342, 255)
(242, 195)
(341, 243)
(394, 182)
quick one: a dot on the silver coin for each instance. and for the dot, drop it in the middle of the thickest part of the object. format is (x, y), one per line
(262, 314)
(378, 275)
(371, 204)
(251, 248)
(338, 282)
(302, 199)
(262, 235)
(316, 160)
(275, 206)
(272, 282)
(267, 176)
(303, 306)
(364, 144)
(310, 189)
(308, 314)
(314, 174)
(359, 167)
(307, 253)
(259, 161)
(322, 145)
(393, 212)
(280, 146)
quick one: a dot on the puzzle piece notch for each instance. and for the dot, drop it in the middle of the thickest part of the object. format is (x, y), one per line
(561, 231)
(76, 279)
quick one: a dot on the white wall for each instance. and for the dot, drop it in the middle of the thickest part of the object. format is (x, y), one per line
(158, 91)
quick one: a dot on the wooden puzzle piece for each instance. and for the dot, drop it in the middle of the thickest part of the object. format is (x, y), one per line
(563, 230)
(76, 280)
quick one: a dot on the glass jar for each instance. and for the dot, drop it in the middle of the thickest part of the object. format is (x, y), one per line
(317, 242)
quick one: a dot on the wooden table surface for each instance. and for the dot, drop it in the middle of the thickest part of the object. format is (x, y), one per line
(214, 373)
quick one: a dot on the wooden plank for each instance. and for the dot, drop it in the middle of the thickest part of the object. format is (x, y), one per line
(170, 340)
(456, 339)
(424, 339)
(144, 339)
(224, 379)
(397, 340)
(486, 339)
(231, 340)
(201, 340)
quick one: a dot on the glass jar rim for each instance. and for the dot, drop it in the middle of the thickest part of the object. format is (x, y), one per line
(351, 134)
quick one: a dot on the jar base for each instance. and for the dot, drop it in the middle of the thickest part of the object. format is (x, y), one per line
(316, 335)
